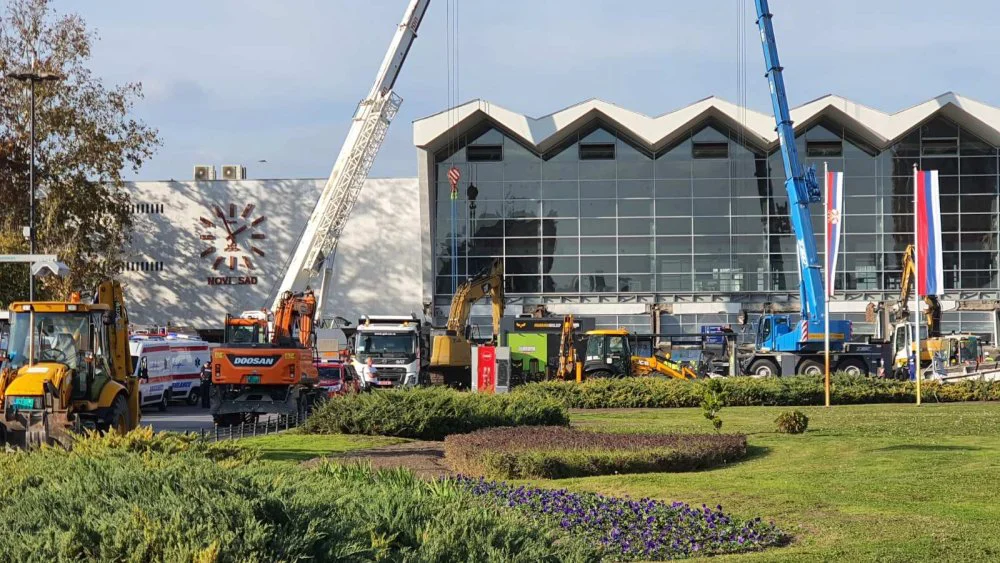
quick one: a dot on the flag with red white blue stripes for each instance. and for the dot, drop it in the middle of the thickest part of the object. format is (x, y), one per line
(930, 265)
(834, 219)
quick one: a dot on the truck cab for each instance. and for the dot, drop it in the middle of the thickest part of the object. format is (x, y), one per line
(397, 347)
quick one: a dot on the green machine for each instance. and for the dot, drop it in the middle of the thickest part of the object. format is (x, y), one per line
(534, 345)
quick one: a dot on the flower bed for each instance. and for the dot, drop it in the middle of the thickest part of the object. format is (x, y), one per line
(431, 413)
(557, 452)
(648, 392)
(633, 529)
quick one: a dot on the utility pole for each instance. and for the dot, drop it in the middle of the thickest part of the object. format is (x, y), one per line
(31, 77)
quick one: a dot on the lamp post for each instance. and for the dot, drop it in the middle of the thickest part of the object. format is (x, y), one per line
(31, 77)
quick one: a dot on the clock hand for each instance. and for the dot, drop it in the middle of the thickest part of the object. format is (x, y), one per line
(237, 231)
(225, 222)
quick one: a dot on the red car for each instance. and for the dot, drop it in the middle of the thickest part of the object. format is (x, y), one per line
(335, 378)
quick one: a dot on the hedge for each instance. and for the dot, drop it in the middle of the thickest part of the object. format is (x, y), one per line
(648, 392)
(431, 413)
(558, 452)
(165, 499)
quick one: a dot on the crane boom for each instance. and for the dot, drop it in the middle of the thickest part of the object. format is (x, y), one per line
(801, 186)
(318, 243)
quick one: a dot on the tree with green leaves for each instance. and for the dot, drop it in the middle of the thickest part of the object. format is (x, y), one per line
(85, 136)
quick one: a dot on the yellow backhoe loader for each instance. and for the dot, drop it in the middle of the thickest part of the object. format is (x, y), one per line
(611, 353)
(67, 368)
(451, 353)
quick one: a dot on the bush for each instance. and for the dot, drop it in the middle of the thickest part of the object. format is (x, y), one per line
(431, 413)
(648, 392)
(102, 502)
(793, 422)
(558, 452)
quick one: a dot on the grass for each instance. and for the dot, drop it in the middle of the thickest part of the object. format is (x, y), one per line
(867, 482)
(295, 447)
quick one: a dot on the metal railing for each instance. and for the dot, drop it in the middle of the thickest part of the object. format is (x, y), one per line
(280, 423)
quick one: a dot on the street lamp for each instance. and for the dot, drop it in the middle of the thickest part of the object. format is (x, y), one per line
(31, 77)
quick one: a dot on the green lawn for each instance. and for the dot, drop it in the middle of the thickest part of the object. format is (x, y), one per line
(872, 482)
(294, 447)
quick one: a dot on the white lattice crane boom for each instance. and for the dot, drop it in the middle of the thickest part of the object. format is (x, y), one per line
(314, 255)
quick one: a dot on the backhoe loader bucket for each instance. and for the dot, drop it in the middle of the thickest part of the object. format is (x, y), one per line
(31, 430)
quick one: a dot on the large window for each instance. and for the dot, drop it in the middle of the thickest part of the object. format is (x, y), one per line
(599, 213)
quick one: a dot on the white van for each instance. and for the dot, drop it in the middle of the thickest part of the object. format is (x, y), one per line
(151, 364)
(187, 357)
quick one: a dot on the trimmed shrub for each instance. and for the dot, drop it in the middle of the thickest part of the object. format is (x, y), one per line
(793, 422)
(102, 502)
(431, 413)
(558, 452)
(801, 390)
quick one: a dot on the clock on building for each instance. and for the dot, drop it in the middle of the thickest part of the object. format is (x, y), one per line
(232, 237)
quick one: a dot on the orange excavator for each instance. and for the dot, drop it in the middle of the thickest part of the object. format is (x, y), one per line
(267, 367)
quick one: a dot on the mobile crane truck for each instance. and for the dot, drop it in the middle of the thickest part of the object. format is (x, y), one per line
(781, 348)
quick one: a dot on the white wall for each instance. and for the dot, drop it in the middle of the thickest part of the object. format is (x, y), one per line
(377, 268)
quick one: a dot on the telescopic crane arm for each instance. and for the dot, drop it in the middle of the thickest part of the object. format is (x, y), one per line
(801, 186)
(314, 255)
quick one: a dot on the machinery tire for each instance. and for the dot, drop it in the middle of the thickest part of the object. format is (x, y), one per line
(809, 367)
(764, 368)
(194, 397)
(600, 374)
(117, 417)
(853, 367)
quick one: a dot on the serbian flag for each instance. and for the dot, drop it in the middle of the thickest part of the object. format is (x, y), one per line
(930, 265)
(834, 218)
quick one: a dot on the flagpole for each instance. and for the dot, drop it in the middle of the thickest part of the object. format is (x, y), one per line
(829, 288)
(916, 280)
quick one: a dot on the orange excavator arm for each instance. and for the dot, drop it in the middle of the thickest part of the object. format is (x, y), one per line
(295, 310)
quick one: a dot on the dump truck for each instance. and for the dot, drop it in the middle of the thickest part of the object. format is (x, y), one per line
(67, 368)
(397, 346)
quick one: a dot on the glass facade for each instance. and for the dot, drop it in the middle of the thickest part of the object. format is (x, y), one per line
(600, 214)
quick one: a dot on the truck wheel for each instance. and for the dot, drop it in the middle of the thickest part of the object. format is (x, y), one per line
(162, 405)
(810, 367)
(764, 368)
(194, 397)
(853, 367)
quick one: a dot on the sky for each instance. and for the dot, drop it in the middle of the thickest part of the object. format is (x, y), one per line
(240, 81)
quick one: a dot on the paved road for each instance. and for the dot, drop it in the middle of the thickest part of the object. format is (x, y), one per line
(178, 418)
(182, 418)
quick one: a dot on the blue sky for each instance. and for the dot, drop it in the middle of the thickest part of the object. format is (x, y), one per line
(237, 81)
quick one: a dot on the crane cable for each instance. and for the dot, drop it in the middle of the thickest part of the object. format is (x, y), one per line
(454, 173)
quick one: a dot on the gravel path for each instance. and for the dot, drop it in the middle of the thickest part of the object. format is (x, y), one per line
(426, 459)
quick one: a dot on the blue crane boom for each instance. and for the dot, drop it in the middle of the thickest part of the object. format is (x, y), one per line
(801, 187)
(802, 190)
